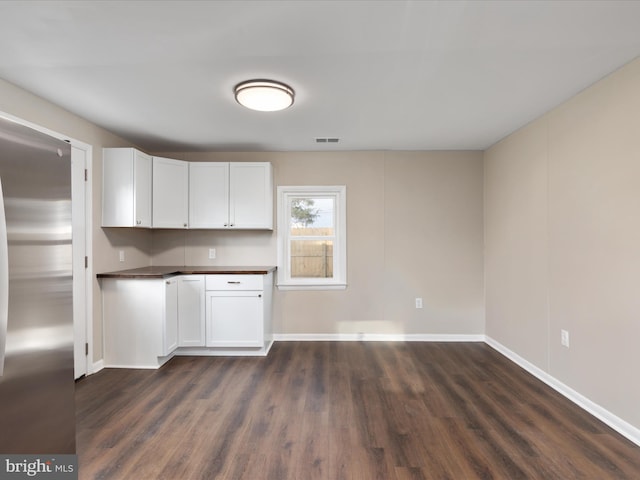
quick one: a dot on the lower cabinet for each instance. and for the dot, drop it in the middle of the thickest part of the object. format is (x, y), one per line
(191, 325)
(234, 319)
(140, 321)
(146, 321)
(170, 321)
(238, 310)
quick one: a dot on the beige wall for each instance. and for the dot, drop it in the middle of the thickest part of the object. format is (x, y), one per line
(414, 230)
(137, 244)
(562, 233)
(516, 243)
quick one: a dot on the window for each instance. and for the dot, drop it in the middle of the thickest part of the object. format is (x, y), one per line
(312, 237)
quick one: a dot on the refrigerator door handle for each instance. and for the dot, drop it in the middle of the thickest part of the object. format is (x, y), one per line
(4, 281)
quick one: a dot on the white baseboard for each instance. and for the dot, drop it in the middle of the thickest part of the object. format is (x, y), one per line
(134, 367)
(96, 367)
(619, 425)
(224, 352)
(374, 337)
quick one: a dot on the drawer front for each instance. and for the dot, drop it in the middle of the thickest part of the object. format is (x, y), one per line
(234, 282)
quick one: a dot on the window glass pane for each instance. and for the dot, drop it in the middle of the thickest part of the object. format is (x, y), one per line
(312, 216)
(311, 259)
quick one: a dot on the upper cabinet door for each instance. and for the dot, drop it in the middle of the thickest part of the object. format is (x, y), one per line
(126, 188)
(142, 189)
(251, 195)
(170, 193)
(208, 195)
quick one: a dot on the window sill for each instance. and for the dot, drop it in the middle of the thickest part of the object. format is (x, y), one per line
(298, 286)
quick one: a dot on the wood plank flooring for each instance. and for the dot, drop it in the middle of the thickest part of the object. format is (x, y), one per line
(350, 410)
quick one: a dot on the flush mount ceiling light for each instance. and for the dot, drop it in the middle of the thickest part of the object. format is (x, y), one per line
(264, 95)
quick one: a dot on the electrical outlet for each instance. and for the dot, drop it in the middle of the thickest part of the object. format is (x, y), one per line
(212, 253)
(121, 255)
(564, 338)
(418, 303)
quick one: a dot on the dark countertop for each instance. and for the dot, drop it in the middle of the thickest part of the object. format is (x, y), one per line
(166, 272)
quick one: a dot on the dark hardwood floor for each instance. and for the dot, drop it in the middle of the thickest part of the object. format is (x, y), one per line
(389, 411)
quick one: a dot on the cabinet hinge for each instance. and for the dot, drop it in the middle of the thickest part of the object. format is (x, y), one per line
(86, 349)
(86, 175)
(86, 262)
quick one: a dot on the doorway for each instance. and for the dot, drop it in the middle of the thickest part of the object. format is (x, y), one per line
(82, 351)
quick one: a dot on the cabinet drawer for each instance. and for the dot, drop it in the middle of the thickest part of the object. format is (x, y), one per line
(234, 282)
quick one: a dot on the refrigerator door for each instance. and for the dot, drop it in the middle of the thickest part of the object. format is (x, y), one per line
(37, 409)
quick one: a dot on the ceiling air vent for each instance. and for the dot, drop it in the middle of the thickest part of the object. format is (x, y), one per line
(327, 140)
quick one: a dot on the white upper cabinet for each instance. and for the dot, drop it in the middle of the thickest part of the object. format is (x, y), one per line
(126, 191)
(251, 195)
(208, 195)
(170, 193)
(231, 195)
(155, 192)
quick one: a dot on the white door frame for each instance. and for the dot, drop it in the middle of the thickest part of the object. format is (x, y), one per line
(81, 268)
(83, 309)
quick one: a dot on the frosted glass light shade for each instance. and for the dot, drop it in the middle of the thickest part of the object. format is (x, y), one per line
(264, 95)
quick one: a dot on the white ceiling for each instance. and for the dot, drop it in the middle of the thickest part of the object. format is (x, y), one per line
(377, 74)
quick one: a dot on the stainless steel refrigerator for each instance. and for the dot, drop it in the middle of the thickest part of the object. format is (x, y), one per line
(37, 409)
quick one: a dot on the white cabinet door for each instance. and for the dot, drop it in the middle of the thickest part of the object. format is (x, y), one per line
(208, 195)
(142, 189)
(251, 195)
(126, 188)
(231, 195)
(170, 193)
(170, 324)
(139, 321)
(234, 319)
(191, 311)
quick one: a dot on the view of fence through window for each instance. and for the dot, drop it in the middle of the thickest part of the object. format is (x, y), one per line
(313, 226)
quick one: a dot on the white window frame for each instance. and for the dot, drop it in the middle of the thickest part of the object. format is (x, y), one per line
(339, 281)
